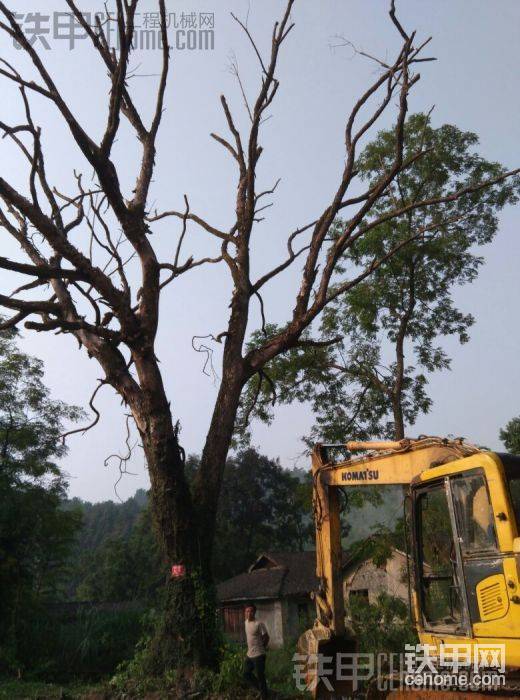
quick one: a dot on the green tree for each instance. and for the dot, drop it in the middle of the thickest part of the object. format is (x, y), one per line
(128, 567)
(510, 436)
(263, 507)
(36, 533)
(407, 304)
(119, 523)
(374, 382)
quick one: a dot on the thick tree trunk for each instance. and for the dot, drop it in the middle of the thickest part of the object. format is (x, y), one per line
(235, 374)
(397, 394)
(187, 631)
(185, 515)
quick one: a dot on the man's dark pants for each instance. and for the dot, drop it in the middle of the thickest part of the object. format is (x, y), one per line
(254, 673)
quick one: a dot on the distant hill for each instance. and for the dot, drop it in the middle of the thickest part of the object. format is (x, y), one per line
(107, 520)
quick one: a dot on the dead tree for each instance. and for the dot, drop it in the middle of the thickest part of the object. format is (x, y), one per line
(66, 291)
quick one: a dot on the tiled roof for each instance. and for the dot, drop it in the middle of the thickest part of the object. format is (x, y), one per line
(273, 575)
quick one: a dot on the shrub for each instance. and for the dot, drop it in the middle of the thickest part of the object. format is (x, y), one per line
(383, 626)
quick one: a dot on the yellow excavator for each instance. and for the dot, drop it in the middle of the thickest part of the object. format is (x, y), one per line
(463, 506)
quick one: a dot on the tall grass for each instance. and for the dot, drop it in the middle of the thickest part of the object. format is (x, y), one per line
(88, 645)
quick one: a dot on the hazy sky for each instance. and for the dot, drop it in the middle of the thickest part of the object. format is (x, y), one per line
(474, 84)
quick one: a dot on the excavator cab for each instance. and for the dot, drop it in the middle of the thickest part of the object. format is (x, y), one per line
(464, 555)
(465, 518)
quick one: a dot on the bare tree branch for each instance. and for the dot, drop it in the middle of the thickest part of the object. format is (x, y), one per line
(95, 420)
(191, 217)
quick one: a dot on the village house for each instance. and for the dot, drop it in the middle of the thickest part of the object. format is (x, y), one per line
(280, 585)
(364, 579)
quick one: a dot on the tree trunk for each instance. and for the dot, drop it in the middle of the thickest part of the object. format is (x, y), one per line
(185, 516)
(235, 374)
(187, 632)
(214, 455)
(397, 411)
(397, 393)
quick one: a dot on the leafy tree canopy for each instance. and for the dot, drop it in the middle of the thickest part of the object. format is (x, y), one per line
(510, 436)
(263, 507)
(374, 382)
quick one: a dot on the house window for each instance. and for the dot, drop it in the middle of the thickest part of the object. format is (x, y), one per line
(233, 620)
(360, 594)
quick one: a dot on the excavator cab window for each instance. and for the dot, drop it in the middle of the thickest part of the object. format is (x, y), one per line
(514, 488)
(437, 562)
(456, 549)
(474, 514)
(512, 470)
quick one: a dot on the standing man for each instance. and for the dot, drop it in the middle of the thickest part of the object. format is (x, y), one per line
(257, 641)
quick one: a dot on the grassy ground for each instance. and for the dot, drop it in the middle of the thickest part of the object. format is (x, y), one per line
(228, 685)
(27, 690)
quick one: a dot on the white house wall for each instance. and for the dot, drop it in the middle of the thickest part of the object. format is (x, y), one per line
(270, 613)
(389, 579)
